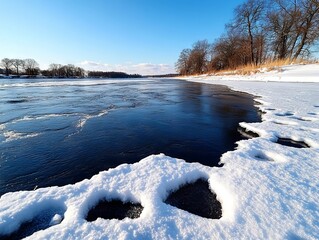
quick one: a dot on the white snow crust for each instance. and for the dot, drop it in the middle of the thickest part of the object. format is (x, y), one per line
(91, 82)
(267, 190)
(289, 73)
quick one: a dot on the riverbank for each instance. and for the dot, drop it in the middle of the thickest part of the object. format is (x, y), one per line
(288, 73)
(276, 185)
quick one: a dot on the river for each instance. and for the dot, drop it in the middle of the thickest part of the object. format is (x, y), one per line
(61, 131)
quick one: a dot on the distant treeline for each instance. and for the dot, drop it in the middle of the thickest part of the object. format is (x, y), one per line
(163, 75)
(261, 31)
(30, 68)
(18, 66)
(63, 71)
(100, 74)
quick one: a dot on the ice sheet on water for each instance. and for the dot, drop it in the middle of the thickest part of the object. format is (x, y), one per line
(59, 83)
(12, 133)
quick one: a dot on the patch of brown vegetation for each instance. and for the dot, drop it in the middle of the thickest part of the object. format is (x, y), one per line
(265, 67)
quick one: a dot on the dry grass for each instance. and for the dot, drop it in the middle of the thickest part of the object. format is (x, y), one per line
(265, 67)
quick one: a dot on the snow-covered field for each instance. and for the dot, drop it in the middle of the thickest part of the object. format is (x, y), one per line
(267, 190)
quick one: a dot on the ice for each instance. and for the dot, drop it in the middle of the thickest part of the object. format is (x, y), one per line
(57, 218)
(87, 117)
(267, 190)
(12, 135)
(78, 82)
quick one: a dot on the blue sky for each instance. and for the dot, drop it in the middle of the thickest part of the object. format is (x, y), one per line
(142, 36)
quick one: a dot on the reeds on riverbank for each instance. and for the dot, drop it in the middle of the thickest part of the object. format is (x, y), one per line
(265, 67)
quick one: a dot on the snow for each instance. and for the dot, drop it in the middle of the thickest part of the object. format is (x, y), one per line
(290, 73)
(267, 190)
(57, 218)
(71, 83)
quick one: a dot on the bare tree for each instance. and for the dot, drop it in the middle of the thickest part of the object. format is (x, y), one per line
(308, 28)
(195, 60)
(230, 51)
(248, 21)
(7, 63)
(261, 30)
(79, 72)
(54, 69)
(31, 67)
(182, 65)
(70, 69)
(66, 71)
(294, 27)
(198, 58)
(17, 63)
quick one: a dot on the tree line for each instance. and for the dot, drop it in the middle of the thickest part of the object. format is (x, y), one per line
(261, 31)
(19, 66)
(30, 67)
(64, 71)
(101, 74)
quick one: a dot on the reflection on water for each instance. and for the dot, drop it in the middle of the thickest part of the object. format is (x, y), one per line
(55, 133)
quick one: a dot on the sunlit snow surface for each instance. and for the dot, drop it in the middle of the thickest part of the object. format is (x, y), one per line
(267, 190)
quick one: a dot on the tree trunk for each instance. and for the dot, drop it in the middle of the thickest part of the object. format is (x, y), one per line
(251, 41)
(303, 41)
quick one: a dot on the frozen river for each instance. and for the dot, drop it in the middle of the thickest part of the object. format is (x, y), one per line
(57, 131)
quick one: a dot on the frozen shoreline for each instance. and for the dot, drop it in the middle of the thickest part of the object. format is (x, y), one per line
(303, 73)
(267, 190)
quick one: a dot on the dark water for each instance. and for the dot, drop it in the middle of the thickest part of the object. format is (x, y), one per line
(114, 209)
(39, 222)
(60, 131)
(196, 198)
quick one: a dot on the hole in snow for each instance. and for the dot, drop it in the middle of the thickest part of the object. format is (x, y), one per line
(302, 119)
(17, 101)
(263, 157)
(45, 219)
(196, 198)
(246, 133)
(114, 209)
(312, 113)
(279, 123)
(284, 114)
(291, 143)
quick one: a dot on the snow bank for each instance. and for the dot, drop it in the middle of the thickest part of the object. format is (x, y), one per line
(267, 190)
(260, 199)
(290, 73)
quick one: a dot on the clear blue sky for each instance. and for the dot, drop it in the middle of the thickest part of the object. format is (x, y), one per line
(129, 35)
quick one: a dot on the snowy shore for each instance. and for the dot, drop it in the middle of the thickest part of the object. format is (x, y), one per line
(267, 190)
